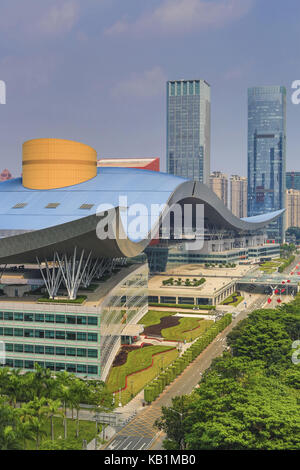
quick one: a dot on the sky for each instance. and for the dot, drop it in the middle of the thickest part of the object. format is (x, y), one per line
(94, 71)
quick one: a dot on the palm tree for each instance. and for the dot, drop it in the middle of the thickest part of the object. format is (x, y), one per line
(37, 414)
(53, 409)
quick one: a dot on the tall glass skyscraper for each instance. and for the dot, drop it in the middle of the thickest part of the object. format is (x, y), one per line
(267, 153)
(188, 129)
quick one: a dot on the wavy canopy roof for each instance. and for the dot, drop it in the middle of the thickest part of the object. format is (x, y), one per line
(38, 222)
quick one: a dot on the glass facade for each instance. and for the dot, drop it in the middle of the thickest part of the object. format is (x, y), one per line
(126, 304)
(77, 339)
(293, 180)
(188, 129)
(267, 154)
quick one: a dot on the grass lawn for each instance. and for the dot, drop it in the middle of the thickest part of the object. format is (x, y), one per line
(153, 317)
(137, 360)
(188, 329)
(230, 299)
(86, 431)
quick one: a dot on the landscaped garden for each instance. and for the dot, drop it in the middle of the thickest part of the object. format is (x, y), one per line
(142, 365)
(174, 328)
(233, 300)
(187, 329)
(179, 282)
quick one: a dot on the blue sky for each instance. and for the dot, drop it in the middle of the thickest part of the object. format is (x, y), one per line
(95, 71)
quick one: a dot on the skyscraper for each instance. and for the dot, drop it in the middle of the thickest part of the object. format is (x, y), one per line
(218, 182)
(238, 195)
(267, 153)
(188, 129)
(293, 180)
(292, 208)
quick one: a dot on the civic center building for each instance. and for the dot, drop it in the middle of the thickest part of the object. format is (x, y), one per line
(70, 299)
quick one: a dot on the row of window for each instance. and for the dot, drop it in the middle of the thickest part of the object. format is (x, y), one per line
(49, 334)
(55, 366)
(50, 350)
(52, 205)
(49, 318)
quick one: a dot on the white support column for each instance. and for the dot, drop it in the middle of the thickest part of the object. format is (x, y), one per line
(72, 271)
(90, 271)
(53, 276)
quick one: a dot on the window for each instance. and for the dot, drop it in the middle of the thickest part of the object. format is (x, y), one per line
(20, 205)
(92, 321)
(81, 352)
(52, 205)
(28, 317)
(71, 319)
(71, 336)
(92, 370)
(18, 316)
(60, 351)
(9, 347)
(19, 364)
(60, 335)
(81, 336)
(39, 333)
(71, 352)
(49, 350)
(86, 206)
(39, 349)
(49, 318)
(81, 320)
(28, 364)
(92, 337)
(60, 319)
(18, 332)
(92, 353)
(8, 316)
(19, 348)
(49, 334)
(81, 369)
(28, 348)
(39, 317)
(8, 331)
(71, 367)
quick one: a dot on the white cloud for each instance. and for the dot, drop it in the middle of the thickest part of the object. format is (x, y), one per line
(146, 85)
(181, 16)
(59, 18)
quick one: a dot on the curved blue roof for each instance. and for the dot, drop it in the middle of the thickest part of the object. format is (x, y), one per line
(140, 196)
(139, 186)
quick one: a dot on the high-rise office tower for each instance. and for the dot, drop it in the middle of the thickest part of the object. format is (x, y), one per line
(238, 195)
(188, 129)
(293, 180)
(218, 182)
(292, 208)
(267, 153)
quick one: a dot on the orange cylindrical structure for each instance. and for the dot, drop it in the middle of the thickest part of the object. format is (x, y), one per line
(56, 163)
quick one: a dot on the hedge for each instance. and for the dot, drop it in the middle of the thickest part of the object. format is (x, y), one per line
(153, 390)
(286, 264)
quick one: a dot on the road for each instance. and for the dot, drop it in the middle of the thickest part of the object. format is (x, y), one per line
(140, 434)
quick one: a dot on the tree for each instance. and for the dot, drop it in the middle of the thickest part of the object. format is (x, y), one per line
(38, 413)
(53, 409)
(173, 423)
